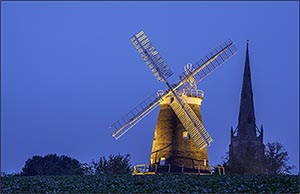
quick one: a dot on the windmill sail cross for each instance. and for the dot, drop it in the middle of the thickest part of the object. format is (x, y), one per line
(192, 75)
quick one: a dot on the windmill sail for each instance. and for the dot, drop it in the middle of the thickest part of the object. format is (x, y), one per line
(151, 56)
(162, 72)
(183, 111)
(209, 63)
(191, 123)
(137, 114)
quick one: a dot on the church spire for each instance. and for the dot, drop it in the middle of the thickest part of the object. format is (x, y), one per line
(246, 124)
(246, 150)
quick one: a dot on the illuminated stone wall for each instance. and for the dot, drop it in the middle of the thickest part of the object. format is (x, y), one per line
(169, 143)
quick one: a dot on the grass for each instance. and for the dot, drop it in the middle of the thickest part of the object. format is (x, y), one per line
(152, 183)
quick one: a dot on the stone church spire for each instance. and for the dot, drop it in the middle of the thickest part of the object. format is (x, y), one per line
(246, 149)
(246, 122)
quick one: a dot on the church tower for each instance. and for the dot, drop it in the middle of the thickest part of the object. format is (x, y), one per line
(246, 149)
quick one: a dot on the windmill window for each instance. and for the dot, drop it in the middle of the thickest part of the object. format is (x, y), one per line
(172, 99)
(162, 161)
(185, 135)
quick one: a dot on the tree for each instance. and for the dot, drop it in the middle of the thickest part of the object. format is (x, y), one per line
(52, 165)
(116, 164)
(277, 159)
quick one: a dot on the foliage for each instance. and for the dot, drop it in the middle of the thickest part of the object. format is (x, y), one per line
(277, 159)
(116, 164)
(152, 183)
(88, 168)
(51, 165)
(225, 160)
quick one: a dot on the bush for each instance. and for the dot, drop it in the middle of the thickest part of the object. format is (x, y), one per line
(116, 164)
(52, 165)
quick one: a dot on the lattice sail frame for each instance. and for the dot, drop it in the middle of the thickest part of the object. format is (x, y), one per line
(161, 71)
(191, 122)
(151, 56)
(137, 114)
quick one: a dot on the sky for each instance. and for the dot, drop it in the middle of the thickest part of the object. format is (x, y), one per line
(69, 71)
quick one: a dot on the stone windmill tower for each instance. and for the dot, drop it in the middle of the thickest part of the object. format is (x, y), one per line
(180, 138)
(172, 143)
(246, 150)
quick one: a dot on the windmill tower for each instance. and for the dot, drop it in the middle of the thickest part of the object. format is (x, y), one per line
(180, 138)
(172, 143)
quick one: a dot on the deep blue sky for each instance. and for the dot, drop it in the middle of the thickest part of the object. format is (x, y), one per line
(69, 71)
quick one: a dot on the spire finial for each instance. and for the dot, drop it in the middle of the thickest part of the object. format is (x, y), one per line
(247, 43)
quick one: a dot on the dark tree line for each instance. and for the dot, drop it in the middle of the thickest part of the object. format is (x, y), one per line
(276, 162)
(53, 164)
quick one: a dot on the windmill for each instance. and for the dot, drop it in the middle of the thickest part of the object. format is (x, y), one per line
(180, 111)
